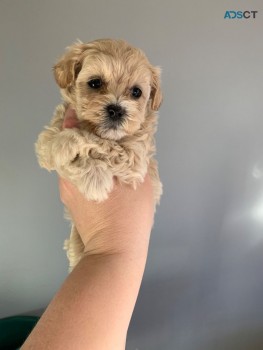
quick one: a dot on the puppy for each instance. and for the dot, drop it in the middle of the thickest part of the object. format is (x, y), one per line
(116, 93)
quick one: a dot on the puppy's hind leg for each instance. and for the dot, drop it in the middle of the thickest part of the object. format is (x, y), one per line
(95, 183)
(157, 185)
(74, 247)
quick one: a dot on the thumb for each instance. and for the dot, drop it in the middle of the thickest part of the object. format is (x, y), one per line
(70, 119)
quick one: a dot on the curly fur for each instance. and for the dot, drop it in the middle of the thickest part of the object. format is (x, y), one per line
(91, 155)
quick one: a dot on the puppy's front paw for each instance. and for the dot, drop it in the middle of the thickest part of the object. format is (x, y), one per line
(95, 181)
(65, 148)
(43, 147)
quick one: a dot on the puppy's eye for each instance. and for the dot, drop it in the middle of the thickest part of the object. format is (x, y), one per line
(95, 83)
(136, 92)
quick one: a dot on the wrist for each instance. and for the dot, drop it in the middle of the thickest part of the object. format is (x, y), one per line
(110, 241)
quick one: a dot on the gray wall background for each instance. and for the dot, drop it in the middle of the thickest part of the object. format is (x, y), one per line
(203, 284)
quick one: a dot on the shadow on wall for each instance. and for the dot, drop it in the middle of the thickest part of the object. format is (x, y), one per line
(157, 304)
(243, 339)
(169, 316)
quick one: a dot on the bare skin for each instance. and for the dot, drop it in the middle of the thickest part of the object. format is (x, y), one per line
(93, 308)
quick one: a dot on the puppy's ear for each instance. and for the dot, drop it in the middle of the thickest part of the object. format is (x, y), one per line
(156, 93)
(69, 66)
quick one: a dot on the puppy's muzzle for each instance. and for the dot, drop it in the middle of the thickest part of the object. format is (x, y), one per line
(115, 112)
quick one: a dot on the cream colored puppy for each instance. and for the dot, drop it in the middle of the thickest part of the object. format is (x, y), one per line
(116, 93)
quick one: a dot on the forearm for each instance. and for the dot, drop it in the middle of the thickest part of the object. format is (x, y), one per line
(93, 308)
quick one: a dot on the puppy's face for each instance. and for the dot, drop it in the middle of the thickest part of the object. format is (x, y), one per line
(111, 84)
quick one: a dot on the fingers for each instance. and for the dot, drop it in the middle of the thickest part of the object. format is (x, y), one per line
(67, 190)
(70, 119)
(63, 189)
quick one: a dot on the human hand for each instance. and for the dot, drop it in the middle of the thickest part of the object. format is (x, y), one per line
(122, 222)
(70, 119)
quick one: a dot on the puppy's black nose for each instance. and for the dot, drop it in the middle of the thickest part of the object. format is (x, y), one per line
(115, 112)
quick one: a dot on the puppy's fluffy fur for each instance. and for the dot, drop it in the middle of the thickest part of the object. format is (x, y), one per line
(116, 93)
